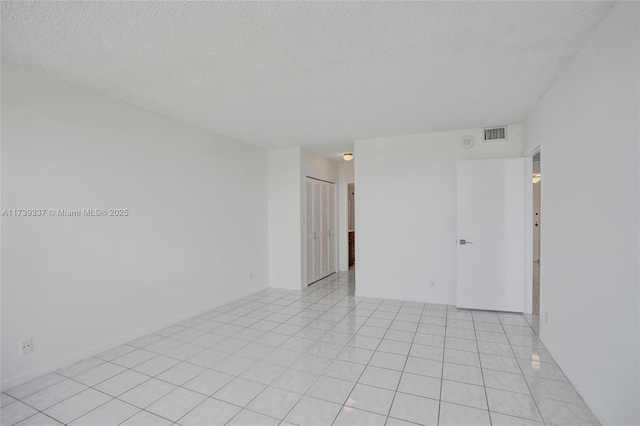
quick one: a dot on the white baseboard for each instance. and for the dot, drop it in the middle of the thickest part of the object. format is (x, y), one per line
(95, 350)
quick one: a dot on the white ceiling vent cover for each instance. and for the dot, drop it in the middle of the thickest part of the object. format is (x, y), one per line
(495, 134)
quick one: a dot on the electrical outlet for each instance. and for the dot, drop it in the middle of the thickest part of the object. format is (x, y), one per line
(433, 283)
(26, 346)
(250, 276)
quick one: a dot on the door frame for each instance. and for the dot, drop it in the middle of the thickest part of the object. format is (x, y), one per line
(343, 226)
(528, 234)
(305, 224)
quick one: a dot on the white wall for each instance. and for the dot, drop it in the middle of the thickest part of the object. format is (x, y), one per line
(196, 230)
(285, 211)
(587, 124)
(406, 211)
(318, 167)
(346, 175)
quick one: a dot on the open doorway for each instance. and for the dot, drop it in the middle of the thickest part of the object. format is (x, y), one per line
(351, 224)
(536, 216)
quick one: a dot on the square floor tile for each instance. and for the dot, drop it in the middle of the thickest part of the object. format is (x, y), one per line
(498, 419)
(181, 373)
(415, 409)
(500, 363)
(345, 370)
(387, 360)
(122, 382)
(369, 398)
(380, 377)
(544, 370)
(112, 413)
(313, 412)
(208, 358)
(15, 412)
(209, 382)
(312, 363)
(156, 365)
(239, 392)
(565, 413)
(251, 418)
(77, 368)
(74, 407)
(464, 394)
(234, 365)
(176, 404)
(498, 349)
(505, 381)
(35, 385)
(394, 347)
(353, 417)
(424, 367)
(145, 418)
(364, 342)
(428, 387)
(357, 355)
(295, 381)
(282, 357)
(184, 352)
(210, 412)
(6, 399)
(513, 404)
(131, 359)
(462, 373)
(147, 393)
(455, 356)
(39, 420)
(98, 374)
(263, 372)
(553, 389)
(47, 397)
(459, 415)
(274, 402)
(331, 389)
(429, 340)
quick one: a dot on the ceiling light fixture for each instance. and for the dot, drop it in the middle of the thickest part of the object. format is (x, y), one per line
(536, 177)
(348, 156)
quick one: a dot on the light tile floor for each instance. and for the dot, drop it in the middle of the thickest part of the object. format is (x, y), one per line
(315, 357)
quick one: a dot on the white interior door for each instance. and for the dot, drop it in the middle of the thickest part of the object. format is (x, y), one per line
(491, 228)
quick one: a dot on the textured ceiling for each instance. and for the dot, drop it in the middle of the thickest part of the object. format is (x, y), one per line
(280, 74)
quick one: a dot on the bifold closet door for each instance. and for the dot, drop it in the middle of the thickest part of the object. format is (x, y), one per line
(317, 230)
(332, 233)
(320, 219)
(310, 239)
(325, 230)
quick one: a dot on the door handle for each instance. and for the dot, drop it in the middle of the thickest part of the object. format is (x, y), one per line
(465, 242)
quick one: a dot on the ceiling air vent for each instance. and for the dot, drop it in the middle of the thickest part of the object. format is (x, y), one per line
(495, 134)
